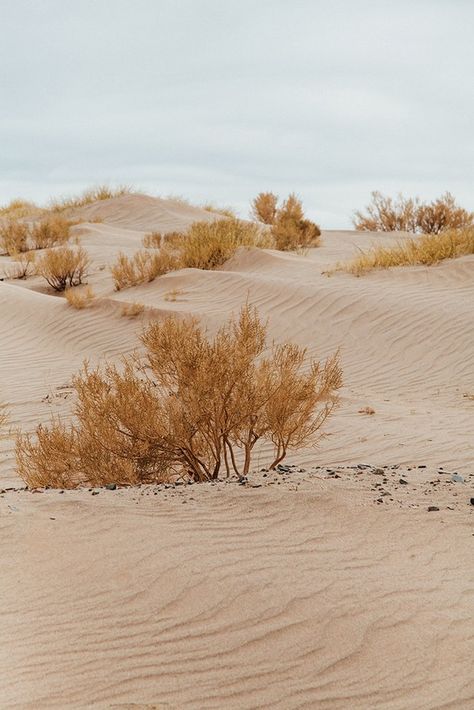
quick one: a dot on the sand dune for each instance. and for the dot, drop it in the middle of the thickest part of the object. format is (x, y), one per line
(307, 593)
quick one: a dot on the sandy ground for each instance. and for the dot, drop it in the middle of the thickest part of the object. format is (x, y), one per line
(330, 585)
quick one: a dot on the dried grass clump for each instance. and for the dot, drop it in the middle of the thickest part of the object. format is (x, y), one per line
(50, 232)
(385, 214)
(224, 211)
(192, 407)
(426, 249)
(94, 194)
(132, 310)
(63, 267)
(79, 298)
(14, 236)
(142, 267)
(290, 230)
(208, 245)
(153, 240)
(18, 208)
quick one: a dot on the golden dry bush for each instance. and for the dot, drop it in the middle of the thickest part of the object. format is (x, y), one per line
(264, 207)
(142, 267)
(79, 298)
(223, 211)
(208, 245)
(425, 249)
(14, 236)
(63, 267)
(23, 267)
(193, 406)
(384, 214)
(18, 209)
(132, 310)
(172, 296)
(50, 232)
(153, 240)
(291, 230)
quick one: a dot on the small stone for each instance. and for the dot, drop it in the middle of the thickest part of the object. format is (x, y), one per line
(378, 471)
(422, 465)
(403, 482)
(95, 493)
(457, 478)
(472, 501)
(111, 486)
(432, 508)
(283, 469)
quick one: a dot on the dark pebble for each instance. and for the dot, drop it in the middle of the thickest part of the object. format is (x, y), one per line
(432, 508)
(403, 482)
(422, 465)
(95, 493)
(111, 486)
(472, 501)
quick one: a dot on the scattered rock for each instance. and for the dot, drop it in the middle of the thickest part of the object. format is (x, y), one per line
(403, 482)
(432, 508)
(457, 478)
(378, 471)
(95, 493)
(111, 486)
(472, 501)
(283, 469)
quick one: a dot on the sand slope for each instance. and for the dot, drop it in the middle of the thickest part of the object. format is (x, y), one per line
(310, 596)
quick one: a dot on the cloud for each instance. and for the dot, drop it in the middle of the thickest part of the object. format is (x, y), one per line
(219, 100)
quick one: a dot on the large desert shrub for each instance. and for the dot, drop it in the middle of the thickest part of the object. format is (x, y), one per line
(142, 267)
(191, 407)
(63, 267)
(426, 249)
(384, 214)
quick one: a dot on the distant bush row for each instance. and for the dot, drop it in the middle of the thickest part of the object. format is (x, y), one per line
(385, 214)
(17, 237)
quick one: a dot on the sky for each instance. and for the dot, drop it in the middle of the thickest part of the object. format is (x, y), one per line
(217, 100)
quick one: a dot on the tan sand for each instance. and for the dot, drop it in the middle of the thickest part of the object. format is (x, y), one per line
(304, 592)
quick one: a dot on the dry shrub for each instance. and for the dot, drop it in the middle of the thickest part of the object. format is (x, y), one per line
(208, 245)
(152, 240)
(14, 236)
(384, 214)
(132, 310)
(426, 249)
(192, 407)
(79, 298)
(24, 266)
(224, 211)
(63, 267)
(264, 207)
(290, 230)
(94, 194)
(50, 232)
(172, 295)
(142, 267)
(18, 208)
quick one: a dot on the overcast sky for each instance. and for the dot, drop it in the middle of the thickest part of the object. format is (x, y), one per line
(219, 99)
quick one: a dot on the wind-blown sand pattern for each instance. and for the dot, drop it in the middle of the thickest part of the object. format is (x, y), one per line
(329, 587)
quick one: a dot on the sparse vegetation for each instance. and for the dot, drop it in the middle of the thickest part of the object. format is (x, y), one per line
(142, 267)
(94, 194)
(18, 208)
(63, 267)
(24, 266)
(208, 245)
(193, 407)
(224, 211)
(153, 240)
(79, 298)
(289, 228)
(426, 249)
(385, 214)
(132, 310)
(14, 237)
(50, 232)
(172, 296)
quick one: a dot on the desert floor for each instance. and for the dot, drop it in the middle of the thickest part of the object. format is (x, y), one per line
(328, 584)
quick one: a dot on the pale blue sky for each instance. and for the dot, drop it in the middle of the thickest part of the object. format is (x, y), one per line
(219, 99)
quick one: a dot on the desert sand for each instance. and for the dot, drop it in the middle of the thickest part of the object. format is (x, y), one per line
(327, 585)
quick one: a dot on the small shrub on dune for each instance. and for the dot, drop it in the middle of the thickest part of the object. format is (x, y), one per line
(63, 267)
(153, 240)
(132, 310)
(14, 237)
(264, 207)
(192, 407)
(50, 232)
(224, 211)
(385, 214)
(79, 298)
(426, 249)
(23, 267)
(290, 229)
(142, 267)
(208, 245)
(18, 208)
